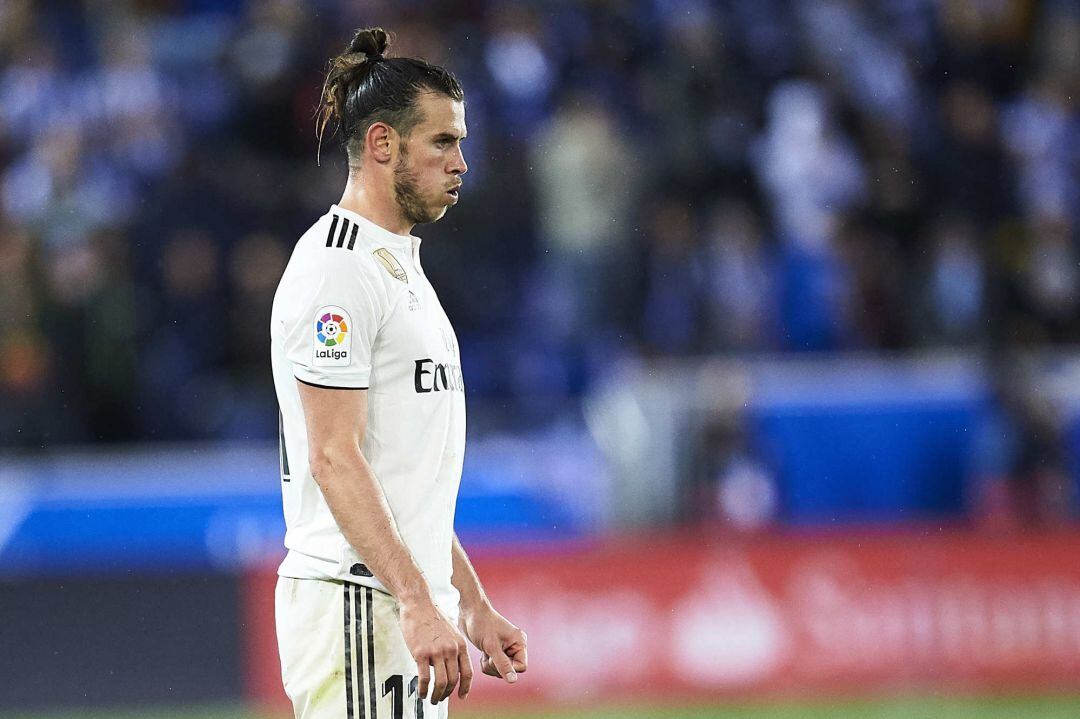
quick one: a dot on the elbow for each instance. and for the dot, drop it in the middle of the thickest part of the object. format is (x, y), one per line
(327, 461)
(320, 465)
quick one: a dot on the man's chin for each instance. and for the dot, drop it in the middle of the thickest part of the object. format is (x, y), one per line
(428, 218)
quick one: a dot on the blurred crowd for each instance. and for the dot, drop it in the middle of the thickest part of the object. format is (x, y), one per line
(649, 177)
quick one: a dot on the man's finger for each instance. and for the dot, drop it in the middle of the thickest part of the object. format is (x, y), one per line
(423, 671)
(502, 664)
(438, 690)
(451, 676)
(465, 666)
(519, 654)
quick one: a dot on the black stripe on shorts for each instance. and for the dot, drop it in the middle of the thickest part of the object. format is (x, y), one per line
(348, 655)
(360, 674)
(371, 653)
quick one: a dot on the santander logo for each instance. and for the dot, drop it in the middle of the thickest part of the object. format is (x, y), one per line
(728, 631)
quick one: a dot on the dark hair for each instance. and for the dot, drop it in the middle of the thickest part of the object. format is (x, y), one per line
(362, 87)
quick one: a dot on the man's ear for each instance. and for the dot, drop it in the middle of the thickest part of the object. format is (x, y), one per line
(379, 141)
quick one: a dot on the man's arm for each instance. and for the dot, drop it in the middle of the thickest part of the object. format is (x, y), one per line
(336, 421)
(503, 645)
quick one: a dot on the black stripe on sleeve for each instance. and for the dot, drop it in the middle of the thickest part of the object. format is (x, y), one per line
(330, 235)
(324, 386)
(348, 654)
(371, 653)
(352, 237)
(341, 235)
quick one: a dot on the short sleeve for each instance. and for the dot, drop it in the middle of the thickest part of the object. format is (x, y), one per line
(329, 343)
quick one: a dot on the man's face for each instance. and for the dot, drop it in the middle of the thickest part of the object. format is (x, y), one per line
(430, 164)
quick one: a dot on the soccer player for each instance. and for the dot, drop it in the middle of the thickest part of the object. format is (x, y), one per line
(376, 596)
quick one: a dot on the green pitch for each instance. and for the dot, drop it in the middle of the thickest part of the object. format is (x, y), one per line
(895, 708)
(1037, 707)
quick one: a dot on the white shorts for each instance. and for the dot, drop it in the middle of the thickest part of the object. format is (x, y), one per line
(343, 655)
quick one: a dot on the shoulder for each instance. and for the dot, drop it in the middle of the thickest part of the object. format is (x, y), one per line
(332, 250)
(322, 274)
(337, 250)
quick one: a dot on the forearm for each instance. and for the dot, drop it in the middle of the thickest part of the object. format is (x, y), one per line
(466, 580)
(359, 506)
(502, 644)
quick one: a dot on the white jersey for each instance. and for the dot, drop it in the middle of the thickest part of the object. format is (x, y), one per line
(355, 311)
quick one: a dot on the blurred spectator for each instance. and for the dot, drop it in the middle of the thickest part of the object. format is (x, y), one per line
(699, 106)
(1019, 475)
(810, 172)
(741, 282)
(26, 363)
(586, 177)
(1040, 132)
(182, 382)
(873, 306)
(733, 487)
(952, 310)
(970, 170)
(869, 64)
(519, 68)
(93, 307)
(674, 279)
(812, 176)
(254, 267)
(1051, 278)
(19, 288)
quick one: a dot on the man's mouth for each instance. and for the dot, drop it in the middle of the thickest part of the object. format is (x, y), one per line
(454, 192)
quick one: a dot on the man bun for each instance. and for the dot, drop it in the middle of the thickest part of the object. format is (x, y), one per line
(372, 41)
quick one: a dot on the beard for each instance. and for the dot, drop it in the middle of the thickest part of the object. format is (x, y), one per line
(407, 194)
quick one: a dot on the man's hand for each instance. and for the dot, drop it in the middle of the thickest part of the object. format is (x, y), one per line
(435, 643)
(502, 644)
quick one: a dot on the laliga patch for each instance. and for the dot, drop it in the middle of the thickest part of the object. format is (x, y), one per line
(333, 337)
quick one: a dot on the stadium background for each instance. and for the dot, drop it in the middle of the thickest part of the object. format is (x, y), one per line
(769, 321)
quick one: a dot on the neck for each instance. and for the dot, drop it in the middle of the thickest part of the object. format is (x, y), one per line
(364, 198)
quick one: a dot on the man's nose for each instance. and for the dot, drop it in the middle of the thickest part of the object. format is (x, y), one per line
(457, 165)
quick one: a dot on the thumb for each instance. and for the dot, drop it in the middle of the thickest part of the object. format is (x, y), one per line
(502, 663)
